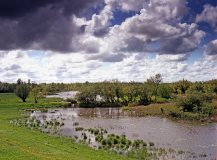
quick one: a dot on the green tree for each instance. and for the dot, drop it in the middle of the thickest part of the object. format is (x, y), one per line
(108, 92)
(155, 81)
(22, 90)
(181, 86)
(143, 95)
(87, 97)
(36, 92)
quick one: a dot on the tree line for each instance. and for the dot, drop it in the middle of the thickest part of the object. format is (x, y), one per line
(113, 92)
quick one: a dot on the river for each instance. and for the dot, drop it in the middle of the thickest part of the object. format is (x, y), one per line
(162, 131)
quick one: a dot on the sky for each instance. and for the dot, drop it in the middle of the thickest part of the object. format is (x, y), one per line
(96, 40)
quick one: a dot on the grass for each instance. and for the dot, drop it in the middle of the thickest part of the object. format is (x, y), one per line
(154, 109)
(17, 143)
(165, 109)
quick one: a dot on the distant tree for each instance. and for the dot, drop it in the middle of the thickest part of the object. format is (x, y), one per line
(36, 92)
(108, 92)
(22, 90)
(155, 82)
(19, 81)
(127, 95)
(87, 96)
(182, 86)
(117, 89)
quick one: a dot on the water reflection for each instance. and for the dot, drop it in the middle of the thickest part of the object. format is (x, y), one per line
(161, 131)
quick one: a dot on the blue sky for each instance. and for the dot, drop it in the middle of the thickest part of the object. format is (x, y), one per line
(99, 40)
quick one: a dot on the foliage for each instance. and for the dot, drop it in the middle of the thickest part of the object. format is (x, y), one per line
(181, 86)
(87, 96)
(22, 90)
(144, 97)
(197, 87)
(165, 91)
(113, 94)
(7, 87)
(155, 81)
(37, 92)
(196, 102)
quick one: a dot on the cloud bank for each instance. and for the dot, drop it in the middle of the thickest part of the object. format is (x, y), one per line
(90, 40)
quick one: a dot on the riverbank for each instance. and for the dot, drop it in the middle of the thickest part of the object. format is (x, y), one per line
(20, 143)
(166, 110)
(182, 140)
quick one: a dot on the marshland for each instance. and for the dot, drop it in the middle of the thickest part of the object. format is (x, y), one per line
(150, 120)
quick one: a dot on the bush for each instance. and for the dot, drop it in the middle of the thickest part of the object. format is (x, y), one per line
(193, 102)
(208, 109)
(87, 96)
(165, 91)
(176, 114)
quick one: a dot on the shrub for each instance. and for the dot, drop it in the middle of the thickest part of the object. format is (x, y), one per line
(193, 102)
(165, 91)
(87, 96)
(208, 109)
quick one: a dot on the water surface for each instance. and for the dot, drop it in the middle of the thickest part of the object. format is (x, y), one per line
(162, 131)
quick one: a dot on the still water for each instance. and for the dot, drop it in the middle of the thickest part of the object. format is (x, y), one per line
(162, 131)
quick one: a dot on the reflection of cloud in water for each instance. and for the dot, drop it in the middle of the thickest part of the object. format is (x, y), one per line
(161, 131)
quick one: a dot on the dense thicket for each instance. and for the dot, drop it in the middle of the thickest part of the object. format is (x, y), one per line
(7, 87)
(179, 87)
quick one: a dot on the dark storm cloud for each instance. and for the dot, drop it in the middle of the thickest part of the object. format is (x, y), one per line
(134, 45)
(15, 8)
(107, 57)
(40, 24)
(176, 46)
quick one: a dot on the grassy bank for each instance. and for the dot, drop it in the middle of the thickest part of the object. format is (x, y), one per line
(154, 109)
(167, 110)
(22, 143)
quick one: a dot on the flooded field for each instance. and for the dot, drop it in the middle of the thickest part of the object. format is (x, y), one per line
(195, 139)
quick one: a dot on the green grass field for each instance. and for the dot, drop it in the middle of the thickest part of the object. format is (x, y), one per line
(17, 143)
